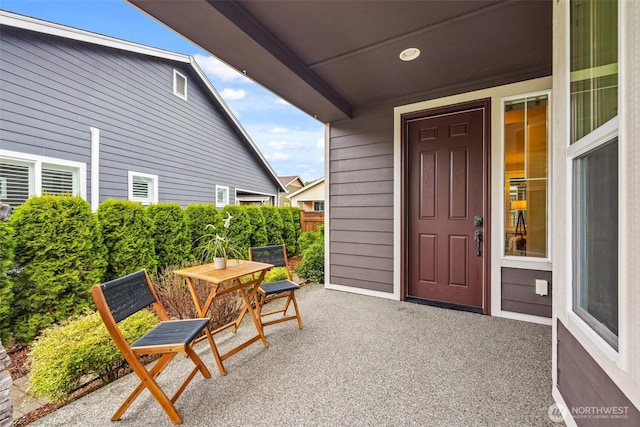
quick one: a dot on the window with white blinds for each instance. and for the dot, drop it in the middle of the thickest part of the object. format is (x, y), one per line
(143, 187)
(23, 175)
(14, 182)
(57, 181)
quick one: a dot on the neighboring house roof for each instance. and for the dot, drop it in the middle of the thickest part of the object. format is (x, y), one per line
(46, 27)
(286, 180)
(305, 189)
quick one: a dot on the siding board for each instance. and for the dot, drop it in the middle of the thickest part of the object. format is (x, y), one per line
(518, 292)
(361, 201)
(584, 384)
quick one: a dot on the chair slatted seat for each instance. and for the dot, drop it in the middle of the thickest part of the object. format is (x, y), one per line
(120, 298)
(276, 255)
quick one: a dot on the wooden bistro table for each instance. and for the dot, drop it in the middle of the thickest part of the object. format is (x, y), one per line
(223, 281)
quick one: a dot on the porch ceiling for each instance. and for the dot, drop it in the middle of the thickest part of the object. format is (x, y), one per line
(331, 57)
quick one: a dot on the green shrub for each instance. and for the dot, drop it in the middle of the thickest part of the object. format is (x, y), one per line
(239, 228)
(273, 222)
(312, 265)
(258, 226)
(288, 230)
(199, 215)
(128, 236)
(171, 237)
(308, 238)
(7, 245)
(59, 248)
(275, 274)
(64, 354)
(297, 224)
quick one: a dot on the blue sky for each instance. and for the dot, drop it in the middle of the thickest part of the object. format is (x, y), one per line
(291, 140)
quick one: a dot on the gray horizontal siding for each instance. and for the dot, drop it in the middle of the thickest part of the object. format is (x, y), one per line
(361, 202)
(519, 291)
(54, 90)
(584, 384)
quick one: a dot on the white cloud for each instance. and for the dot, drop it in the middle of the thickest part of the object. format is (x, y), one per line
(320, 143)
(281, 101)
(230, 94)
(281, 145)
(218, 69)
(279, 130)
(279, 156)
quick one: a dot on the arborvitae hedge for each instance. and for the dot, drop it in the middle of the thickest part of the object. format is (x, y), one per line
(297, 224)
(258, 226)
(59, 248)
(171, 236)
(7, 245)
(288, 231)
(199, 215)
(239, 228)
(273, 222)
(128, 236)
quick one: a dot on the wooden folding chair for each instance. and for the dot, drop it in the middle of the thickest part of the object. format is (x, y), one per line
(267, 292)
(120, 298)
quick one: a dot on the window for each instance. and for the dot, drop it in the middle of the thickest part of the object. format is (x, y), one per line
(23, 176)
(594, 163)
(179, 85)
(143, 188)
(57, 180)
(3, 188)
(526, 154)
(222, 196)
(318, 206)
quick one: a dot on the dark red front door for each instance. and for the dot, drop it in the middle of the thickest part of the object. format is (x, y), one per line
(446, 191)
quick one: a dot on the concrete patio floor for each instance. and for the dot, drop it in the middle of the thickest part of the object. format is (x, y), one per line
(359, 361)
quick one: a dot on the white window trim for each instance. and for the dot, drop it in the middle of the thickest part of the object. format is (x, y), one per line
(595, 345)
(154, 188)
(35, 186)
(177, 73)
(226, 201)
(528, 259)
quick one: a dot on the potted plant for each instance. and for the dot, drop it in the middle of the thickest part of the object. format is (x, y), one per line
(218, 246)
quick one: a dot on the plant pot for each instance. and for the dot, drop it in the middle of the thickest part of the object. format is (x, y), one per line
(220, 263)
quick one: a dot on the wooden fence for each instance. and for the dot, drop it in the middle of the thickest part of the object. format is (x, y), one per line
(310, 221)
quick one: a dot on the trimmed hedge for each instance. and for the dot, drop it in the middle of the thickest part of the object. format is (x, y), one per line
(240, 229)
(171, 236)
(7, 246)
(258, 226)
(297, 224)
(59, 248)
(199, 215)
(64, 354)
(273, 222)
(288, 231)
(128, 236)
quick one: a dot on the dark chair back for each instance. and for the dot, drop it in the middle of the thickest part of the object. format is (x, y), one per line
(127, 295)
(274, 254)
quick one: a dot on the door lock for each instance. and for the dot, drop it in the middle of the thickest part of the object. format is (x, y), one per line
(477, 221)
(478, 235)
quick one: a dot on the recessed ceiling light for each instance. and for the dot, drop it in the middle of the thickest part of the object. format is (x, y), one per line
(409, 54)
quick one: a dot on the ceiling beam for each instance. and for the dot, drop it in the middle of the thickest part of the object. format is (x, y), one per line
(235, 13)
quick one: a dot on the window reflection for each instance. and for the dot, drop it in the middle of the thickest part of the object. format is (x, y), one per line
(525, 176)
